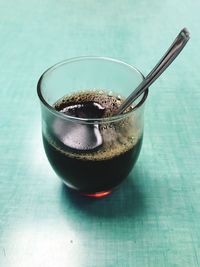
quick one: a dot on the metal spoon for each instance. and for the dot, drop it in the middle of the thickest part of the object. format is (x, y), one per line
(161, 66)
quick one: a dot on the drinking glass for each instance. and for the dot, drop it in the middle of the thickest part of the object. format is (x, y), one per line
(114, 143)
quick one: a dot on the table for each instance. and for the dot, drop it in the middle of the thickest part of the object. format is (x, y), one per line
(154, 218)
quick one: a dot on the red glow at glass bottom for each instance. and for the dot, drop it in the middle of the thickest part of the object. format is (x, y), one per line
(97, 195)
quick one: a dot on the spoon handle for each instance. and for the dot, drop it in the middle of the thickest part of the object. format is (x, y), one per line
(164, 62)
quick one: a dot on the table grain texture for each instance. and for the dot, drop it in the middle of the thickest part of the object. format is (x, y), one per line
(154, 218)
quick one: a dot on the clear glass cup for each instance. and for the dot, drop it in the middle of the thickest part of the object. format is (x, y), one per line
(114, 142)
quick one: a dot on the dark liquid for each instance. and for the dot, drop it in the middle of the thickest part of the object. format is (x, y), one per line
(82, 156)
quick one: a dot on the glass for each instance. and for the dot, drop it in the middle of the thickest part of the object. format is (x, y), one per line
(113, 143)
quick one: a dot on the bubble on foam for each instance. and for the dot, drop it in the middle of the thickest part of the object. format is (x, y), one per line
(110, 93)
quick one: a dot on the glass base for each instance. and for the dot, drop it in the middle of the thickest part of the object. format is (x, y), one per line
(98, 195)
(93, 195)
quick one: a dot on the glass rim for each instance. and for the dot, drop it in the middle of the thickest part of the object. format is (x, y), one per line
(89, 120)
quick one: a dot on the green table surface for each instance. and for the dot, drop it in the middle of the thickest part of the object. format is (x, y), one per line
(154, 218)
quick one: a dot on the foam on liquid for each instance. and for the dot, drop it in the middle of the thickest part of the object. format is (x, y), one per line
(118, 137)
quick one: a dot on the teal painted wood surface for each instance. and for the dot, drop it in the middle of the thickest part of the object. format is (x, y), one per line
(154, 219)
